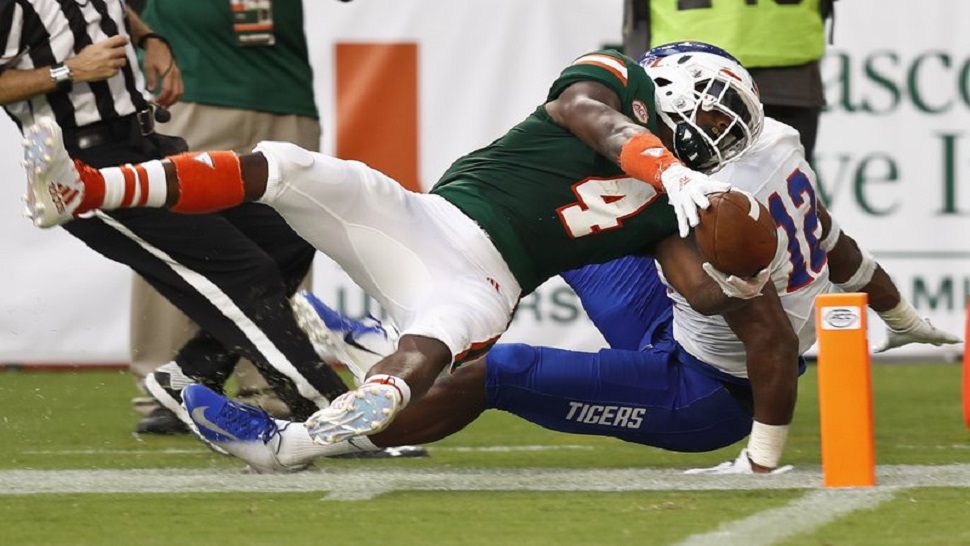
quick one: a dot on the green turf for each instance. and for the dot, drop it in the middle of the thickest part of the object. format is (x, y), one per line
(84, 421)
(398, 519)
(936, 517)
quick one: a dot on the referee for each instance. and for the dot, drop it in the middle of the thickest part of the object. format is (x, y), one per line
(231, 272)
(780, 42)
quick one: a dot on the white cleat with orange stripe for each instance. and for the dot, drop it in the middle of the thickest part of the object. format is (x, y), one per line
(54, 187)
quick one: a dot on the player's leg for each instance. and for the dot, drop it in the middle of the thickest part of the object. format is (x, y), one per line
(654, 379)
(60, 189)
(399, 246)
(166, 382)
(646, 397)
(427, 263)
(642, 397)
(357, 344)
(272, 445)
(233, 290)
(622, 297)
(452, 403)
(294, 258)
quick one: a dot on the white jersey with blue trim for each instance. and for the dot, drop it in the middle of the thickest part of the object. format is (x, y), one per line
(774, 170)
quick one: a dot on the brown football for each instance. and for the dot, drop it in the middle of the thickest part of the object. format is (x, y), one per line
(736, 234)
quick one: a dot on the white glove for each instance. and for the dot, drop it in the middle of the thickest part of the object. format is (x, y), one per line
(741, 465)
(744, 288)
(920, 332)
(687, 191)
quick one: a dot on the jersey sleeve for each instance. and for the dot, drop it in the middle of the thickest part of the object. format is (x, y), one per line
(11, 25)
(607, 67)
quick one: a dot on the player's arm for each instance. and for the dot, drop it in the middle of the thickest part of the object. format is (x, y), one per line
(591, 111)
(771, 347)
(682, 267)
(162, 75)
(96, 62)
(854, 270)
(18, 85)
(769, 342)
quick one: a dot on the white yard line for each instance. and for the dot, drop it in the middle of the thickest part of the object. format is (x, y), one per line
(183, 451)
(164, 451)
(804, 515)
(511, 449)
(364, 483)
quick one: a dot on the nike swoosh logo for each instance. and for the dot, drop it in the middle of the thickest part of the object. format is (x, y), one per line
(349, 340)
(198, 415)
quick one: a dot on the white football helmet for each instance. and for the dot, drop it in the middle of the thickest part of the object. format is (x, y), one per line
(692, 77)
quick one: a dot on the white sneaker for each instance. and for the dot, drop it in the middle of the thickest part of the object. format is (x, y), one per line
(243, 431)
(365, 410)
(357, 344)
(54, 188)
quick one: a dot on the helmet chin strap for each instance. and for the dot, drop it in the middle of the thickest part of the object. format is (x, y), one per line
(696, 149)
(691, 145)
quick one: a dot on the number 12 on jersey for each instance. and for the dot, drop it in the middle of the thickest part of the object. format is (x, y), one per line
(799, 189)
(603, 204)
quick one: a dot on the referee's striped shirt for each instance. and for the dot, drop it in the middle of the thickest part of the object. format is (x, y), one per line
(39, 33)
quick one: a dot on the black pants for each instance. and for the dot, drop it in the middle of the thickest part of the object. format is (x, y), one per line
(231, 272)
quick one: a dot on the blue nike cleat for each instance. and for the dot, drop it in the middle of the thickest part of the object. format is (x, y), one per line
(358, 344)
(243, 431)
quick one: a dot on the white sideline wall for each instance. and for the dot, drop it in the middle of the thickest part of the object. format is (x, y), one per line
(893, 156)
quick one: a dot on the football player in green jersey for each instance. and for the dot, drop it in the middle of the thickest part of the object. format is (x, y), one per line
(671, 376)
(584, 179)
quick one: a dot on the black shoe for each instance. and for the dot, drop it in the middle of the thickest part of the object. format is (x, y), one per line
(399, 452)
(161, 421)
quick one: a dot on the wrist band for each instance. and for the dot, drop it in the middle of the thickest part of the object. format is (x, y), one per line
(644, 157)
(862, 276)
(160, 38)
(402, 388)
(902, 317)
(148, 36)
(766, 443)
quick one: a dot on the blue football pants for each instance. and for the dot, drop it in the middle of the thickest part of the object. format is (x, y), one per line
(644, 389)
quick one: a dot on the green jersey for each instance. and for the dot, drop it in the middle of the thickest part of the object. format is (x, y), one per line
(218, 71)
(551, 203)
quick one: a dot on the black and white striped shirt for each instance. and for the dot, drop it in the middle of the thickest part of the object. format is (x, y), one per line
(38, 33)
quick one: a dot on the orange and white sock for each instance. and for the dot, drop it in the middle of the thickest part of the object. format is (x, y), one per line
(141, 185)
(207, 181)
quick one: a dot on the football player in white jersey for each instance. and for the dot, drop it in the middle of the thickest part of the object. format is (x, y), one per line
(679, 369)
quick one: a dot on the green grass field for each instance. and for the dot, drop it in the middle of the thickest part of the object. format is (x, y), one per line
(82, 421)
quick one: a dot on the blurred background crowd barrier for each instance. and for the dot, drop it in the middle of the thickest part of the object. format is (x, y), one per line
(409, 93)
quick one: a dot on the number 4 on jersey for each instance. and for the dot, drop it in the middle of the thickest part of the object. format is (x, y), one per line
(604, 203)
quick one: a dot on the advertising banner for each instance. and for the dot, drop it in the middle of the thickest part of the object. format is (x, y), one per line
(410, 85)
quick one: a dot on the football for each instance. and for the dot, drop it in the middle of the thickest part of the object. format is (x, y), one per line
(736, 234)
